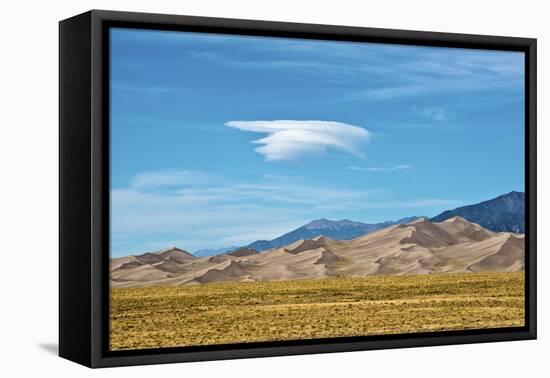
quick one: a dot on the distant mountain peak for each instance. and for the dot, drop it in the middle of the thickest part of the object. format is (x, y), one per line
(318, 223)
(343, 229)
(505, 213)
(323, 223)
(513, 193)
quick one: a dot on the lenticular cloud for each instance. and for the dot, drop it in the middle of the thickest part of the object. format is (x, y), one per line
(292, 140)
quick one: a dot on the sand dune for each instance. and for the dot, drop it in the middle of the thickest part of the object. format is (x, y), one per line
(233, 271)
(306, 245)
(419, 247)
(242, 252)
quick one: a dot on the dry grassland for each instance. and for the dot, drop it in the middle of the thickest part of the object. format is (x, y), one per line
(224, 313)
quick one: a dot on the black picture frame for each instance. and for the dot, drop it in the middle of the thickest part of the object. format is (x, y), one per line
(84, 187)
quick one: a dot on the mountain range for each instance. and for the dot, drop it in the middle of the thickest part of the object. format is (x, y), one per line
(417, 247)
(505, 213)
(482, 237)
(341, 230)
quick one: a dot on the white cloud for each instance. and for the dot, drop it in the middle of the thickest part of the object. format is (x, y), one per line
(393, 168)
(291, 140)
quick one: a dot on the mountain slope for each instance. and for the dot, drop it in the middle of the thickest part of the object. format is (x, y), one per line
(213, 251)
(340, 230)
(418, 247)
(505, 213)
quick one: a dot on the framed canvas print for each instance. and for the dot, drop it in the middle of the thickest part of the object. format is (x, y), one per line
(234, 188)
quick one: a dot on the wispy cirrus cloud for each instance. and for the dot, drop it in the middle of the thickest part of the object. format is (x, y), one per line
(388, 92)
(361, 71)
(194, 210)
(391, 168)
(433, 113)
(169, 178)
(292, 139)
(197, 210)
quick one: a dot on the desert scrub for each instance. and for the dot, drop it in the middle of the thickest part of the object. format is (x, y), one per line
(224, 313)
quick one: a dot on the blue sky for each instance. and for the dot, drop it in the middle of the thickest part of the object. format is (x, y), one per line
(222, 140)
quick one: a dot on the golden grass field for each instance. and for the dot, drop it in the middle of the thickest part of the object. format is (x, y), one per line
(224, 313)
